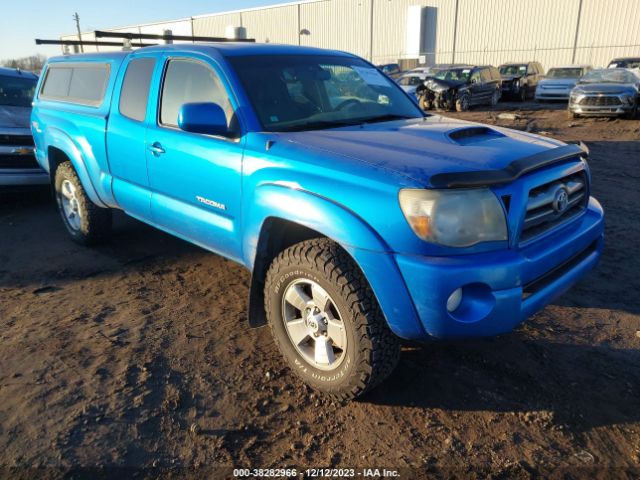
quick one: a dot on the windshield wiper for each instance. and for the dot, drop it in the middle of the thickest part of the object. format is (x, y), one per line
(320, 125)
(387, 118)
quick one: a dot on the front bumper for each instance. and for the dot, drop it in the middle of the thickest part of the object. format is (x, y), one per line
(614, 109)
(502, 289)
(552, 93)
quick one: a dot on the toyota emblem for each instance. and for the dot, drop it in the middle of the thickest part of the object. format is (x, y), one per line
(560, 200)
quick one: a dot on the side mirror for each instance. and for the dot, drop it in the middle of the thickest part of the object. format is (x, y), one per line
(205, 117)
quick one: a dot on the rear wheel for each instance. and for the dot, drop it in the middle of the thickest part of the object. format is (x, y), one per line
(87, 223)
(326, 321)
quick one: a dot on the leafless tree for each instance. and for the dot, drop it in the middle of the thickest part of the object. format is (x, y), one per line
(33, 63)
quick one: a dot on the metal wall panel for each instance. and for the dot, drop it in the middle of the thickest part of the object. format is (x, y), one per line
(337, 24)
(179, 27)
(487, 31)
(274, 25)
(499, 31)
(605, 26)
(215, 25)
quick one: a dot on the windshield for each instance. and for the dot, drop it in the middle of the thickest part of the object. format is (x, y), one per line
(308, 92)
(629, 63)
(16, 91)
(455, 74)
(564, 73)
(410, 80)
(513, 70)
(614, 75)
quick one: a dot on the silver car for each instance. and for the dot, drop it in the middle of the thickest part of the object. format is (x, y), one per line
(559, 81)
(18, 164)
(409, 82)
(606, 92)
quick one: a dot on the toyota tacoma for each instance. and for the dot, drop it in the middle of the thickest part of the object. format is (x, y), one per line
(362, 221)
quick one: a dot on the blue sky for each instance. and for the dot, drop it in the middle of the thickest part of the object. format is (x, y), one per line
(24, 20)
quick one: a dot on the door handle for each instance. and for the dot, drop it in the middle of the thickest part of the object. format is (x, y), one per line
(156, 149)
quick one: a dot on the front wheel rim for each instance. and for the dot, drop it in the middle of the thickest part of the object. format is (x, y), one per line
(314, 324)
(70, 205)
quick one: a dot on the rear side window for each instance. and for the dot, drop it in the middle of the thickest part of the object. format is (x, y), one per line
(189, 81)
(135, 88)
(486, 75)
(76, 83)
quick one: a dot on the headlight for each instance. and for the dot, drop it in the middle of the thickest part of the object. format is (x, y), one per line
(455, 218)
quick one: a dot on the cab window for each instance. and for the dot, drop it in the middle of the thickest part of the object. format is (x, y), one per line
(190, 81)
(135, 88)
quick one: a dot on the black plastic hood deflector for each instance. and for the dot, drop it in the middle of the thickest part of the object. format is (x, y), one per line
(517, 168)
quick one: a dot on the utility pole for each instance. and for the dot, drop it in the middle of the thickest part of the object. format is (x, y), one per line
(76, 17)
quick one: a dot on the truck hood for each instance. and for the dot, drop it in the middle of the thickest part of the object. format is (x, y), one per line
(438, 85)
(510, 78)
(14, 117)
(419, 149)
(610, 88)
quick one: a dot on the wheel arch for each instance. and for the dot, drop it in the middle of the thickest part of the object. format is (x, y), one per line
(288, 221)
(61, 148)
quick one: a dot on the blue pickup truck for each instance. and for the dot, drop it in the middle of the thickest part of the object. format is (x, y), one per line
(363, 220)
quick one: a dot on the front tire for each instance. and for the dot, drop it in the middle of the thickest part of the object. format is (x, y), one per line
(633, 113)
(463, 104)
(326, 321)
(87, 223)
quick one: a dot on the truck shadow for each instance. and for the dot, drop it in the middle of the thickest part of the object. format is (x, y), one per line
(583, 386)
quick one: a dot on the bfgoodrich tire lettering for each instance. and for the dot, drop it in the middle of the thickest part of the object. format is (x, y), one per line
(372, 351)
(87, 223)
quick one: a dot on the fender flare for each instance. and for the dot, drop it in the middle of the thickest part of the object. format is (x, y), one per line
(332, 220)
(57, 138)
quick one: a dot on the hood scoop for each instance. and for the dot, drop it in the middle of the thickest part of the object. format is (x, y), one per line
(473, 135)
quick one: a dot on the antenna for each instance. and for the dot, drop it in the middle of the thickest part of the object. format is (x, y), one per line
(76, 17)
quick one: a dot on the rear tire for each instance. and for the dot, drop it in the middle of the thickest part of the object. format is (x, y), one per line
(87, 223)
(326, 321)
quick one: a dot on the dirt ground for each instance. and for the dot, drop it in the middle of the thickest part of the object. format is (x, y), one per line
(137, 354)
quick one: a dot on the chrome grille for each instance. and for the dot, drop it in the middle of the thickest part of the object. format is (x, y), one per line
(544, 205)
(600, 101)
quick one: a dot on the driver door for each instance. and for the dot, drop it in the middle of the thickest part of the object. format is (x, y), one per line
(478, 93)
(195, 178)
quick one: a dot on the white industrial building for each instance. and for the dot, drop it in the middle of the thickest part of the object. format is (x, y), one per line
(553, 32)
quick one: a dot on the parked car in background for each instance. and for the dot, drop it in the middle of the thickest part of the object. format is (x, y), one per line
(625, 62)
(412, 80)
(362, 221)
(391, 69)
(18, 164)
(606, 92)
(520, 80)
(461, 87)
(559, 81)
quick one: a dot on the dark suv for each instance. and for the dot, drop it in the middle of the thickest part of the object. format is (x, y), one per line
(461, 87)
(625, 62)
(391, 69)
(520, 80)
